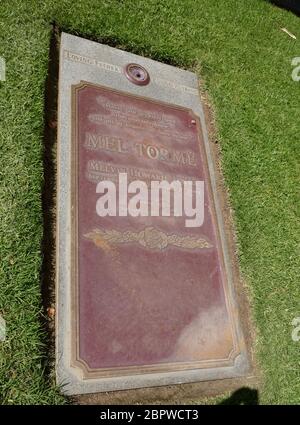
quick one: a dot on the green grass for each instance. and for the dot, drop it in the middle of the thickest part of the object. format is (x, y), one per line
(245, 60)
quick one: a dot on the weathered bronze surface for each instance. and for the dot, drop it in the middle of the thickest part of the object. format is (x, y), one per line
(148, 293)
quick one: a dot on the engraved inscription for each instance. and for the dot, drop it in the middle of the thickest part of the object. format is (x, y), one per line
(150, 151)
(75, 57)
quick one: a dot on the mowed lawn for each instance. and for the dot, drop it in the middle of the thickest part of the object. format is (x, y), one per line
(244, 58)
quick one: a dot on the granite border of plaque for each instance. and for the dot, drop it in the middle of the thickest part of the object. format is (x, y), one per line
(82, 61)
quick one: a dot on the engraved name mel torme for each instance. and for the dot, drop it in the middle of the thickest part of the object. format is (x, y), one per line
(100, 142)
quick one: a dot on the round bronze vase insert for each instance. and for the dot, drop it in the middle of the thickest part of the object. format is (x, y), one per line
(137, 74)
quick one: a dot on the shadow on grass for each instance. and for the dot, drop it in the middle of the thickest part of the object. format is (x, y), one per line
(49, 203)
(291, 5)
(242, 396)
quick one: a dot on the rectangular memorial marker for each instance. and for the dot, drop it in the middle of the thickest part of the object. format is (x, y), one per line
(142, 300)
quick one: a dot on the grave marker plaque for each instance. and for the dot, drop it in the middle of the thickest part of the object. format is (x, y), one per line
(141, 300)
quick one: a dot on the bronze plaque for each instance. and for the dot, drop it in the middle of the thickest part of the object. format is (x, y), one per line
(145, 293)
(149, 293)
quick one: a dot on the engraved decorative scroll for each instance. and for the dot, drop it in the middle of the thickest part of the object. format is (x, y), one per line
(150, 237)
